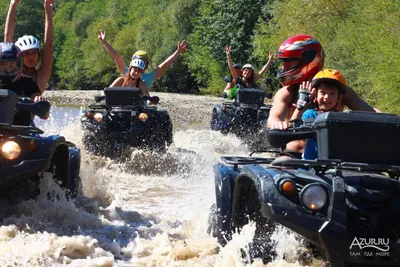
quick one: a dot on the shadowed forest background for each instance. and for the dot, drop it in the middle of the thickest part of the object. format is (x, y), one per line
(361, 38)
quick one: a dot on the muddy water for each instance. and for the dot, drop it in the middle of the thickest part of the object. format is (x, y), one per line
(151, 210)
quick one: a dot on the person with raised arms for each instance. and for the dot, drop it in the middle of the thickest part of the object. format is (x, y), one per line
(147, 78)
(30, 46)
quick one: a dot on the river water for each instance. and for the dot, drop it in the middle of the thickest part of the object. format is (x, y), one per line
(149, 211)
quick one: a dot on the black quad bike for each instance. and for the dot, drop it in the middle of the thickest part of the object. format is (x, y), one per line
(124, 121)
(246, 116)
(345, 204)
(25, 154)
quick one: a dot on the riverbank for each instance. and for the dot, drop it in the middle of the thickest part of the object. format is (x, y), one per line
(186, 111)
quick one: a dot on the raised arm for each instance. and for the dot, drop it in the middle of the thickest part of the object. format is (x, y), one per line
(266, 66)
(159, 71)
(230, 63)
(117, 58)
(44, 71)
(10, 22)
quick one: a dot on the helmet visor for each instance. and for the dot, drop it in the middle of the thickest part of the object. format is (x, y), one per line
(10, 68)
(288, 65)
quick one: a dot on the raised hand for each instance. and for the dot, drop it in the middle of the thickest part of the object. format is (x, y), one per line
(181, 47)
(14, 2)
(101, 36)
(48, 3)
(306, 95)
(271, 56)
(228, 50)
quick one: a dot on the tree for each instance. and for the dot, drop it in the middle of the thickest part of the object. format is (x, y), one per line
(222, 23)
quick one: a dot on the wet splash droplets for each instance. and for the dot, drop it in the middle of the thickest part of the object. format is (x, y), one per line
(148, 210)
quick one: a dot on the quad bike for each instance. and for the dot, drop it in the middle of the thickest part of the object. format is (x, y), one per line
(345, 203)
(25, 154)
(124, 121)
(246, 116)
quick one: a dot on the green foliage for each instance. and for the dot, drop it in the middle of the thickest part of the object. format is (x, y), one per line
(360, 38)
(29, 19)
(221, 23)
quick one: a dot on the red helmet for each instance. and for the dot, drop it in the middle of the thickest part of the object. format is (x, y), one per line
(310, 54)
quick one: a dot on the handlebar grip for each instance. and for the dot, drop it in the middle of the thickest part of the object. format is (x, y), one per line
(41, 108)
(279, 138)
(152, 99)
(99, 98)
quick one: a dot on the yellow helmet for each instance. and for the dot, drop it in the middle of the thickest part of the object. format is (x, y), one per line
(331, 76)
(141, 54)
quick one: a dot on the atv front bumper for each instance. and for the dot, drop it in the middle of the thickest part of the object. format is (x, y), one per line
(330, 232)
(12, 173)
(102, 139)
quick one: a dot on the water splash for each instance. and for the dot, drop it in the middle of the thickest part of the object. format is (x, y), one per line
(151, 210)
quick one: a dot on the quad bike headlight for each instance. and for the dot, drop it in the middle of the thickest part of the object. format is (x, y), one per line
(313, 197)
(98, 117)
(143, 117)
(10, 150)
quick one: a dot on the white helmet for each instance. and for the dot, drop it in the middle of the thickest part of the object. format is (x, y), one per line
(248, 66)
(27, 42)
(138, 63)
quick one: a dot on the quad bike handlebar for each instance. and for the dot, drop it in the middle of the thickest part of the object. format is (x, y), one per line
(153, 99)
(40, 108)
(299, 130)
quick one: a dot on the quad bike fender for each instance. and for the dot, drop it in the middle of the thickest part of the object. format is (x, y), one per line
(74, 180)
(65, 165)
(221, 115)
(249, 189)
(52, 143)
(224, 185)
(220, 120)
(74, 164)
(161, 115)
(59, 157)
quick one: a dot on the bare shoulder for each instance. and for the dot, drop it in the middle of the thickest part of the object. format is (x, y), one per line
(117, 82)
(283, 95)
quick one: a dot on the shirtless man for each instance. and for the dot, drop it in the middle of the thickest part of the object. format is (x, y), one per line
(302, 57)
